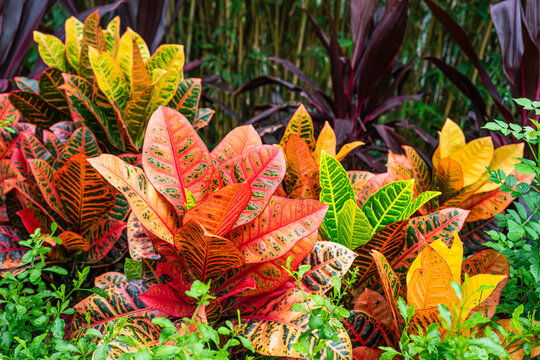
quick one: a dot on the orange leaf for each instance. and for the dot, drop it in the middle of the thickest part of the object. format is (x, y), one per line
(374, 304)
(237, 142)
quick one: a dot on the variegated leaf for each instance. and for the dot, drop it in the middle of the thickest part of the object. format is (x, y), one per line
(32, 148)
(347, 148)
(301, 125)
(140, 245)
(154, 212)
(335, 191)
(277, 229)
(327, 260)
(420, 170)
(74, 242)
(107, 245)
(448, 178)
(132, 64)
(11, 252)
(42, 174)
(52, 143)
(92, 37)
(171, 59)
(276, 327)
(175, 158)
(26, 84)
(392, 287)
(34, 108)
(112, 36)
(135, 116)
(207, 256)
(262, 167)
(52, 51)
(418, 202)
(236, 142)
(49, 88)
(63, 130)
(300, 163)
(220, 210)
(374, 304)
(358, 179)
(81, 142)
(74, 34)
(8, 113)
(388, 204)
(186, 98)
(203, 118)
(84, 195)
(123, 300)
(9, 176)
(389, 241)
(270, 275)
(110, 78)
(366, 330)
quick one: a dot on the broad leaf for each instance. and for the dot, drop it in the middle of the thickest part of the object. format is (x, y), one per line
(49, 88)
(8, 111)
(451, 140)
(81, 142)
(220, 210)
(300, 163)
(110, 78)
(448, 178)
(73, 241)
(34, 108)
(277, 229)
(74, 34)
(301, 125)
(140, 245)
(107, 244)
(236, 142)
(366, 330)
(92, 37)
(388, 204)
(474, 158)
(175, 158)
(203, 118)
(32, 148)
(42, 174)
(326, 141)
(327, 259)
(276, 327)
(52, 51)
(154, 212)
(335, 191)
(186, 98)
(262, 167)
(207, 256)
(374, 304)
(420, 170)
(84, 195)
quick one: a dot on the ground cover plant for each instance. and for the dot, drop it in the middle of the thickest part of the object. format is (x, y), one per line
(124, 235)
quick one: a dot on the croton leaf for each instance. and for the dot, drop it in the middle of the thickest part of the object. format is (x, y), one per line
(8, 110)
(123, 300)
(388, 204)
(262, 167)
(74, 34)
(81, 142)
(186, 98)
(392, 287)
(135, 115)
(300, 163)
(335, 191)
(374, 304)
(301, 125)
(11, 252)
(207, 256)
(109, 77)
(154, 212)
(32, 148)
(52, 143)
(389, 241)
(42, 174)
(175, 158)
(220, 210)
(49, 82)
(140, 245)
(92, 36)
(358, 179)
(474, 158)
(372, 185)
(130, 60)
(326, 141)
(276, 327)
(271, 275)
(327, 259)
(504, 158)
(419, 169)
(74, 242)
(451, 139)
(26, 84)
(166, 299)
(345, 219)
(366, 330)
(104, 238)
(84, 195)
(9, 176)
(203, 118)
(448, 178)
(34, 108)
(52, 50)
(236, 142)
(171, 59)
(277, 229)
(488, 261)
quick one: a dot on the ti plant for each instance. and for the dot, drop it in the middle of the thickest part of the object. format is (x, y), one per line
(213, 216)
(108, 83)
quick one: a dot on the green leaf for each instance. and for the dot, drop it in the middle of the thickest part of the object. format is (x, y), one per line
(361, 230)
(133, 269)
(346, 217)
(336, 189)
(110, 78)
(52, 51)
(389, 204)
(418, 202)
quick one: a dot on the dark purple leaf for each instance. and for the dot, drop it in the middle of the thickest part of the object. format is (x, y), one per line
(389, 105)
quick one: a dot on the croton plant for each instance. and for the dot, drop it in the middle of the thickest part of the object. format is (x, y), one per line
(107, 82)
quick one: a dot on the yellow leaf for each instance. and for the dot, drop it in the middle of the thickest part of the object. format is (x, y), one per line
(347, 148)
(109, 77)
(112, 36)
(300, 125)
(504, 158)
(52, 50)
(132, 64)
(474, 158)
(74, 34)
(451, 139)
(326, 142)
(452, 256)
(472, 297)
(436, 158)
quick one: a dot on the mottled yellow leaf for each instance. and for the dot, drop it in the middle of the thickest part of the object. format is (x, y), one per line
(52, 50)
(74, 34)
(504, 158)
(472, 297)
(347, 148)
(451, 139)
(300, 125)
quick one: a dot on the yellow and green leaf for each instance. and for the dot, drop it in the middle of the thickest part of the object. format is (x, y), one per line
(52, 51)
(74, 35)
(302, 126)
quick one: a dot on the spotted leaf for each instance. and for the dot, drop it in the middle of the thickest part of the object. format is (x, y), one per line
(140, 245)
(52, 51)
(236, 142)
(186, 98)
(277, 229)
(301, 125)
(175, 158)
(81, 142)
(262, 167)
